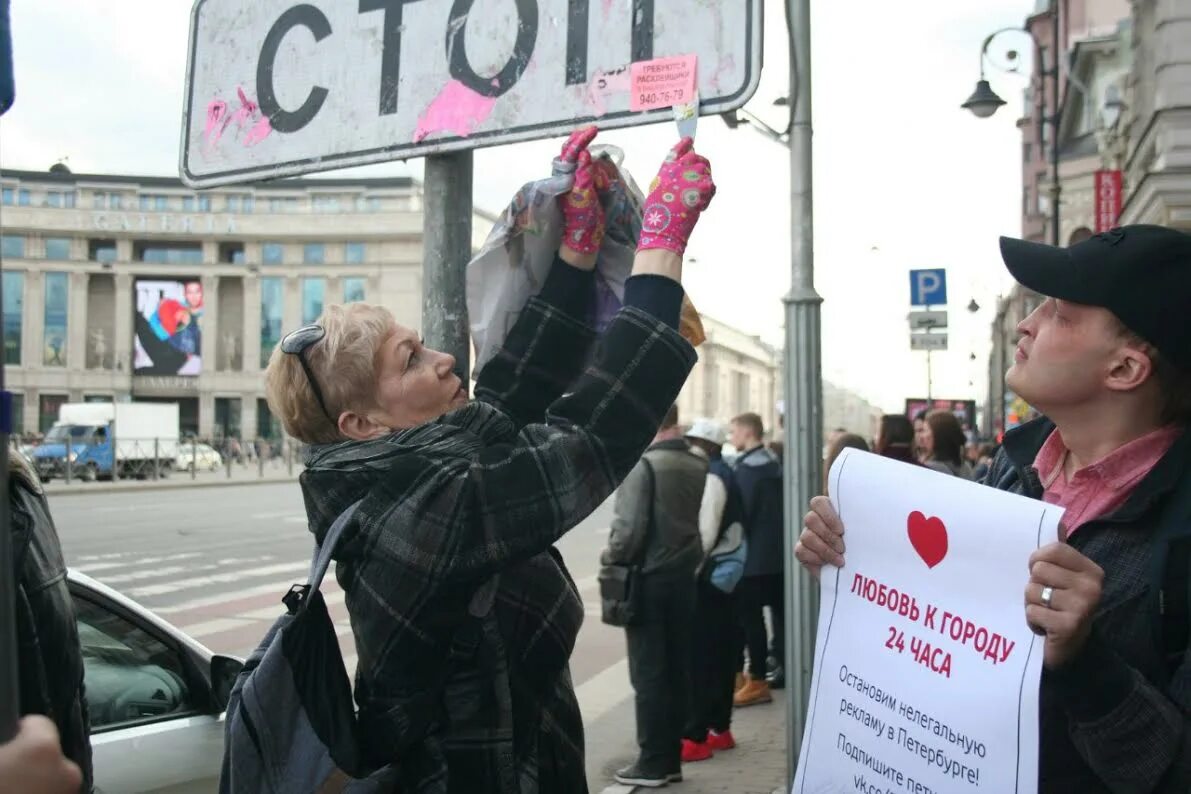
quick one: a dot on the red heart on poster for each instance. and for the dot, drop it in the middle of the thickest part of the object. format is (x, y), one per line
(928, 536)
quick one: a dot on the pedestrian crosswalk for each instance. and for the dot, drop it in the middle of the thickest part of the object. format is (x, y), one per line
(229, 603)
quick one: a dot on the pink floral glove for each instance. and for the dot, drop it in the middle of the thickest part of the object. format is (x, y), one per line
(682, 190)
(582, 212)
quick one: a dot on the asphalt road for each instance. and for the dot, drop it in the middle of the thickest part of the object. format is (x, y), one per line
(215, 562)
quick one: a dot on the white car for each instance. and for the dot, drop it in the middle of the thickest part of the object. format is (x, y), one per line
(156, 697)
(197, 457)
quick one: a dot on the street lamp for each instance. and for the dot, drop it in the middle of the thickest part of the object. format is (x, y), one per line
(984, 102)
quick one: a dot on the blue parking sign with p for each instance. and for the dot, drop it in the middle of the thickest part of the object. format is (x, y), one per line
(928, 287)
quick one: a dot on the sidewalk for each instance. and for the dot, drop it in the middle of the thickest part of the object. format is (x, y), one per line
(240, 475)
(756, 766)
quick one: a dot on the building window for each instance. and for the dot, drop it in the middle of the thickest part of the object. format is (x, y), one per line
(12, 247)
(231, 253)
(268, 426)
(99, 200)
(23, 197)
(145, 202)
(272, 253)
(353, 253)
(271, 307)
(248, 204)
(314, 253)
(374, 205)
(325, 203)
(314, 293)
(59, 199)
(47, 410)
(168, 253)
(161, 203)
(283, 205)
(7, 195)
(204, 203)
(57, 248)
(57, 302)
(227, 424)
(741, 391)
(18, 413)
(115, 201)
(101, 250)
(14, 302)
(231, 204)
(188, 203)
(353, 290)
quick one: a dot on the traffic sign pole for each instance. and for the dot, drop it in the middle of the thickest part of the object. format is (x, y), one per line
(804, 391)
(446, 236)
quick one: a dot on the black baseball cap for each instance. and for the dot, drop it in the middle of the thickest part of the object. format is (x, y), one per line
(1142, 274)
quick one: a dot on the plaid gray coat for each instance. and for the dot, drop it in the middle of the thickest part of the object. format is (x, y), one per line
(487, 490)
(1117, 719)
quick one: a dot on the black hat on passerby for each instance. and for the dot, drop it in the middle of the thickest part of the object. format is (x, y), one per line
(1142, 274)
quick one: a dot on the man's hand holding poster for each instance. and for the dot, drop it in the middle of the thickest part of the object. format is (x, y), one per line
(926, 673)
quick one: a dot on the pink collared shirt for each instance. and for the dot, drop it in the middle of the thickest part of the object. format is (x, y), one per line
(1102, 487)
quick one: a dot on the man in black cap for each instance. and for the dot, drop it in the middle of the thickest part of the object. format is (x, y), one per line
(1107, 359)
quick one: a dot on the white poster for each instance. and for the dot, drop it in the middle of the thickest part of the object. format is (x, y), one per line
(926, 674)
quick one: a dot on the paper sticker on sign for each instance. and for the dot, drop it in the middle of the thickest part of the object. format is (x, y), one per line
(663, 82)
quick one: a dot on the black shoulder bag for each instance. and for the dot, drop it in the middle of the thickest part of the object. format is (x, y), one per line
(620, 583)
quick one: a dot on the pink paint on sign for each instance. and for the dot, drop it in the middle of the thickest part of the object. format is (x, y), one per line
(457, 109)
(663, 82)
(216, 121)
(259, 132)
(604, 85)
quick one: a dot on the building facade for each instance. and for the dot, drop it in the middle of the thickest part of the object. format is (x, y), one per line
(736, 373)
(138, 288)
(1097, 62)
(1157, 120)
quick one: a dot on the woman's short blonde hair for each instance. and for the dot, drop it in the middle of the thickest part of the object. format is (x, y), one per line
(343, 362)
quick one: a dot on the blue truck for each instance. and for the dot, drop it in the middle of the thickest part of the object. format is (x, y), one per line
(97, 440)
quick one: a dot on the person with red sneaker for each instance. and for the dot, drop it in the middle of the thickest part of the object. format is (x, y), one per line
(718, 632)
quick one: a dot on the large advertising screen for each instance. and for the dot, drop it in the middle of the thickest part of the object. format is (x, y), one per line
(964, 410)
(169, 337)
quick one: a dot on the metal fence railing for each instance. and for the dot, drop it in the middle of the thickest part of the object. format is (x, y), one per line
(78, 459)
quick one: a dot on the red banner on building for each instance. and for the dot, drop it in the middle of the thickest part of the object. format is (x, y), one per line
(1108, 199)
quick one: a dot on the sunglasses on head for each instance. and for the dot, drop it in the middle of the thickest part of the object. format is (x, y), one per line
(296, 343)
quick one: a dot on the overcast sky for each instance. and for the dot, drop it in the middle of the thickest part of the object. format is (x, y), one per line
(903, 177)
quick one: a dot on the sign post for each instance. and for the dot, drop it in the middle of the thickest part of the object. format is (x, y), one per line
(280, 88)
(928, 288)
(803, 388)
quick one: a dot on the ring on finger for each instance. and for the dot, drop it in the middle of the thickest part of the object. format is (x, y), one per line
(1047, 596)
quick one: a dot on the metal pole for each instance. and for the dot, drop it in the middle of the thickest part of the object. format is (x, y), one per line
(804, 389)
(1055, 187)
(930, 381)
(446, 250)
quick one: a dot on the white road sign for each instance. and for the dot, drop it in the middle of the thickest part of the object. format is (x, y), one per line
(920, 321)
(928, 341)
(283, 87)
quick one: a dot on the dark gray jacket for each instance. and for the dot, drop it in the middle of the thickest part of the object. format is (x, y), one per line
(50, 659)
(675, 492)
(1116, 719)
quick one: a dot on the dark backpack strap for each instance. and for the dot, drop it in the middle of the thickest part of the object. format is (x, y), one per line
(650, 519)
(297, 597)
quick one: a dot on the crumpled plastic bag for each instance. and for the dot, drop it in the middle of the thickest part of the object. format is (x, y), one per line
(513, 264)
